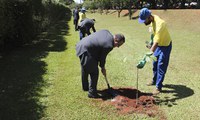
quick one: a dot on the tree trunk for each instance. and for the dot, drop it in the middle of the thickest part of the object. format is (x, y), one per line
(153, 4)
(119, 11)
(129, 9)
(198, 4)
(166, 2)
(183, 3)
(141, 4)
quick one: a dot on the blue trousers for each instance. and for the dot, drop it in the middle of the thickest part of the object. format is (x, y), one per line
(160, 66)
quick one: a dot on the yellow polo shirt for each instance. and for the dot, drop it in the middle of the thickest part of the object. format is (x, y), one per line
(161, 34)
(82, 16)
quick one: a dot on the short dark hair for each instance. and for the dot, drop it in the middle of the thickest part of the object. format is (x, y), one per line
(120, 37)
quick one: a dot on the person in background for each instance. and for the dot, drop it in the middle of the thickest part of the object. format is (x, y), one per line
(76, 17)
(82, 14)
(161, 48)
(92, 51)
(84, 27)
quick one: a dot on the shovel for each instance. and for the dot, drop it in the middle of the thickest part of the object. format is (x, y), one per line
(110, 89)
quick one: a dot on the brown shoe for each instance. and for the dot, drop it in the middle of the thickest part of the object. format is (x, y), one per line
(156, 91)
(150, 83)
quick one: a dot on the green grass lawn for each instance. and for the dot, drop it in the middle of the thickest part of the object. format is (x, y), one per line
(42, 80)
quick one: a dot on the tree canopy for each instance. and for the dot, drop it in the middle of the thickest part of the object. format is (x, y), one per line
(154, 4)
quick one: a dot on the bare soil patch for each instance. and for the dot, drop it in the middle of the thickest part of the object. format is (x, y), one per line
(126, 102)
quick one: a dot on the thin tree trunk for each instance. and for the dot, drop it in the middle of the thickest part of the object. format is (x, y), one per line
(129, 9)
(183, 3)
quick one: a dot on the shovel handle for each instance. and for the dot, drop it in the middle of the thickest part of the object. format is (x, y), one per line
(107, 81)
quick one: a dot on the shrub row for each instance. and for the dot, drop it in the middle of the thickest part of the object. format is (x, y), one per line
(22, 20)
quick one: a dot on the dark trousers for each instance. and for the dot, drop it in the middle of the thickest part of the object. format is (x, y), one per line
(160, 66)
(89, 66)
(76, 24)
(83, 31)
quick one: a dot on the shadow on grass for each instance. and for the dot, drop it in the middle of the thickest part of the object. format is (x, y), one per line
(130, 93)
(135, 17)
(127, 14)
(114, 11)
(21, 75)
(178, 92)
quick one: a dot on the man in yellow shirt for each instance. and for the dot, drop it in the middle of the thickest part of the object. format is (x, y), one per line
(82, 14)
(161, 48)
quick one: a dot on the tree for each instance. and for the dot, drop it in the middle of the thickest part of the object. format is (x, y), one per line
(118, 5)
(152, 3)
(129, 4)
(67, 2)
(198, 3)
(35, 14)
(166, 3)
(183, 3)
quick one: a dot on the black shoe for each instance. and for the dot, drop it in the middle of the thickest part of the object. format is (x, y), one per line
(85, 89)
(93, 95)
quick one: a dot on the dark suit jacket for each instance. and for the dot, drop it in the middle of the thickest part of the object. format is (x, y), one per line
(97, 45)
(76, 14)
(86, 24)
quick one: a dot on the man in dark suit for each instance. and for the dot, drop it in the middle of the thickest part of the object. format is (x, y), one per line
(84, 27)
(92, 51)
(76, 18)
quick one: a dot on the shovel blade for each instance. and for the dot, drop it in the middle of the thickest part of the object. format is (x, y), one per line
(112, 92)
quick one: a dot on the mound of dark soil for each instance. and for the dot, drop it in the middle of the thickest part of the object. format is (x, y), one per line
(126, 102)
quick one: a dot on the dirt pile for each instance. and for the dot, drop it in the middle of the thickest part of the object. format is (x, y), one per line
(126, 102)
